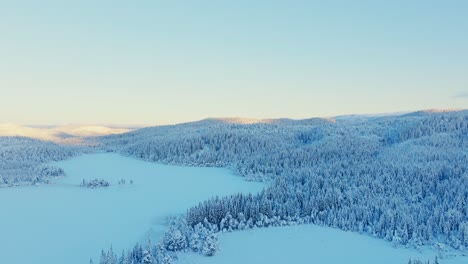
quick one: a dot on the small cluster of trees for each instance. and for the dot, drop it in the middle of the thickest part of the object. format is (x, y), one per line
(98, 183)
(201, 238)
(123, 182)
(95, 183)
(180, 237)
(137, 255)
(417, 261)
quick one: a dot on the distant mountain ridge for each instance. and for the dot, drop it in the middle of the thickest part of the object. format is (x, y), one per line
(250, 121)
(314, 121)
(59, 133)
(73, 133)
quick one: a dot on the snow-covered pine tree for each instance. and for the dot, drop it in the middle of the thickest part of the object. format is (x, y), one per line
(210, 246)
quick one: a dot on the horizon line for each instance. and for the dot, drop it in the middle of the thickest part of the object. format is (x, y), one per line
(137, 126)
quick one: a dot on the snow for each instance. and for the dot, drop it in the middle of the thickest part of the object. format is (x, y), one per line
(64, 223)
(311, 244)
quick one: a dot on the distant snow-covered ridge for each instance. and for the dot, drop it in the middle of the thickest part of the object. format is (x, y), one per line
(59, 133)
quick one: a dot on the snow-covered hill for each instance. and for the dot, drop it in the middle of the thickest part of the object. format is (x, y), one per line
(401, 178)
(23, 160)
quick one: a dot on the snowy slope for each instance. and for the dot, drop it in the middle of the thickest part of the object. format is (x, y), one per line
(23, 160)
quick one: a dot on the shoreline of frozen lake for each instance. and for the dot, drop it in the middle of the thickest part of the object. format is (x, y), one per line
(304, 244)
(64, 223)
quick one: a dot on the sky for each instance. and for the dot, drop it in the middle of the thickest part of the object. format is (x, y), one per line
(161, 62)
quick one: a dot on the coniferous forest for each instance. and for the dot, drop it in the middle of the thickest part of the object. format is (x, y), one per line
(400, 178)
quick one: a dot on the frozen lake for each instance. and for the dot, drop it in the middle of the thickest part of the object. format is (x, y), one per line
(304, 244)
(63, 223)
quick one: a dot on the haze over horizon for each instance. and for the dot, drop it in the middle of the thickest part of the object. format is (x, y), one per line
(153, 63)
(240, 119)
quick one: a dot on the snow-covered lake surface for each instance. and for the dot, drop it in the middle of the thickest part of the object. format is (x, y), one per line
(64, 223)
(311, 244)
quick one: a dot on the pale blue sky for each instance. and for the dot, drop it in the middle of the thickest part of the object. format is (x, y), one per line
(157, 62)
